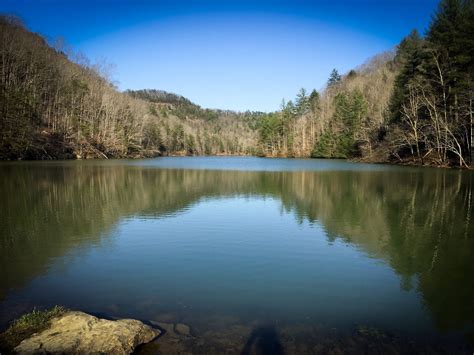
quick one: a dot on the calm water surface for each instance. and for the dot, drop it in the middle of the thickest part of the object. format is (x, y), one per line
(308, 245)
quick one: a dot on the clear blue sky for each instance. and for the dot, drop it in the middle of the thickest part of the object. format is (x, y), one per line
(226, 54)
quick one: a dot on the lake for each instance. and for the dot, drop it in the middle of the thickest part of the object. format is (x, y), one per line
(301, 250)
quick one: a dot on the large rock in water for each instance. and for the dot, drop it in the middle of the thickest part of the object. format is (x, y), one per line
(81, 333)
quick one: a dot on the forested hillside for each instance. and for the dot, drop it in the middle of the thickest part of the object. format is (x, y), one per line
(411, 105)
(343, 121)
(52, 107)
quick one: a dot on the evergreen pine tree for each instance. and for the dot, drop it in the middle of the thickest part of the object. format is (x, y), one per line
(334, 78)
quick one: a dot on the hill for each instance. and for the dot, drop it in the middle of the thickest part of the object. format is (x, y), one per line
(413, 106)
(54, 108)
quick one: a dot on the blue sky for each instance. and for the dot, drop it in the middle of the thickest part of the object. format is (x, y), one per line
(226, 54)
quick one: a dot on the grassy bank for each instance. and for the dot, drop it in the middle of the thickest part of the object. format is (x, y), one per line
(25, 326)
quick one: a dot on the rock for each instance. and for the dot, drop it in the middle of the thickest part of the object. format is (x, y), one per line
(81, 333)
(170, 342)
(167, 327)
(182, 329)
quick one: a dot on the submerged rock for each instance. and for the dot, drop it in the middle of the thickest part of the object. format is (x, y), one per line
(81, 333)
(182, 329)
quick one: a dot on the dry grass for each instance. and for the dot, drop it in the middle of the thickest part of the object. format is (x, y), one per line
(27, 325)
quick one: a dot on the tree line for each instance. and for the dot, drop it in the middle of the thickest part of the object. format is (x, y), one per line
(412, 105)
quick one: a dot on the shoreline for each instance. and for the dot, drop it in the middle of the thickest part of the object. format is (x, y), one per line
(173, 336)
(351, 160)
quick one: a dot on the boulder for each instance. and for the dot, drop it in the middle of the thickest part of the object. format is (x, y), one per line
(81, 333)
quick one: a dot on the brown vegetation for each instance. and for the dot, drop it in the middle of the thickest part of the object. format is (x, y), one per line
(52, 107)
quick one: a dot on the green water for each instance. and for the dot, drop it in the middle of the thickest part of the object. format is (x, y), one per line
(215, 242)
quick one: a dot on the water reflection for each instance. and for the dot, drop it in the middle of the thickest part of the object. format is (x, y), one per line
(418, 221)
